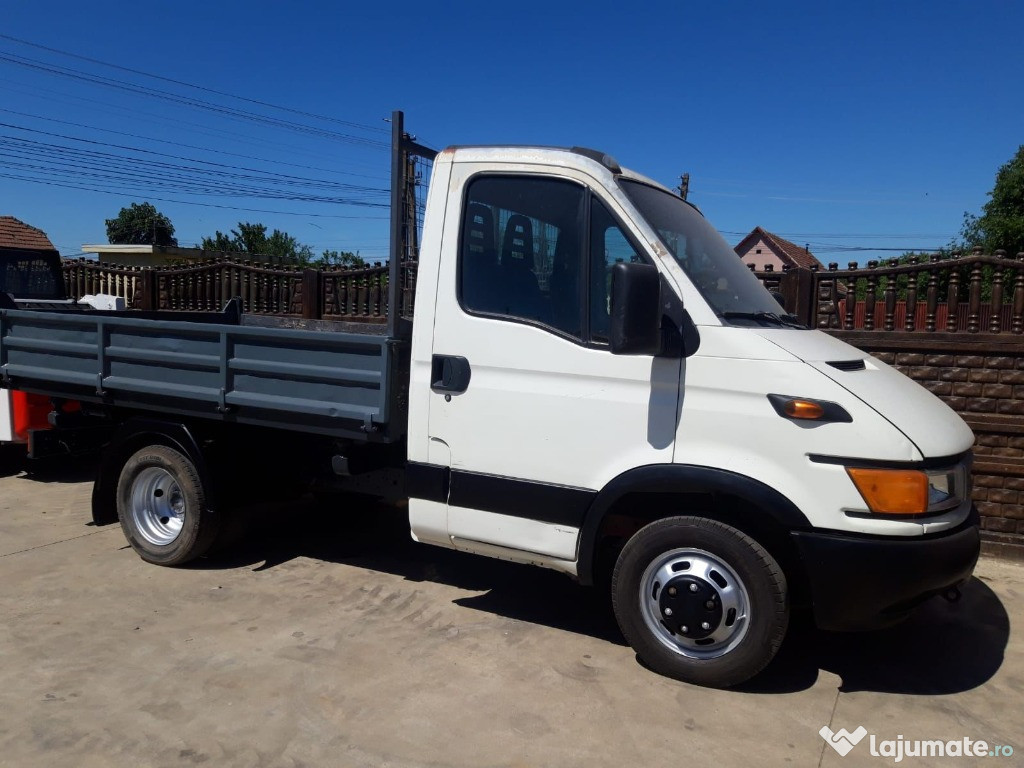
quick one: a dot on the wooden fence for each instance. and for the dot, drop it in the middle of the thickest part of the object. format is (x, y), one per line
(972, 293)
(335, 294)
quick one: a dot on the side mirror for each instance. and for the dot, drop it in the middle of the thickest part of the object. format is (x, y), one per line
(635, 310)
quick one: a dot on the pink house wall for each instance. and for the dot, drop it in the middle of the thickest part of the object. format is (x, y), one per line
(765, 257)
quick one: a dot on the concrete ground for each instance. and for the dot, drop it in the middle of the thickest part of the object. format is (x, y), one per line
(336, 641)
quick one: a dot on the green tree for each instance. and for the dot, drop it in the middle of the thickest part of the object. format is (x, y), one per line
(344, 259)
(140, 224)
(1001, 224)
(253, 239)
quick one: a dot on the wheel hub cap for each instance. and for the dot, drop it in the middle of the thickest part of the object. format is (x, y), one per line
(694, 603)
(157, 506)
(691, 606)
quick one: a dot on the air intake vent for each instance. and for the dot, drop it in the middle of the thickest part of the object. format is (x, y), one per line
(847, 365)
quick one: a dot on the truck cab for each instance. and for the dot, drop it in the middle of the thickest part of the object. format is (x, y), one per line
(605, 389)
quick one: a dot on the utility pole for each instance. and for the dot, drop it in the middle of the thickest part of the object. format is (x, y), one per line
(684, 185)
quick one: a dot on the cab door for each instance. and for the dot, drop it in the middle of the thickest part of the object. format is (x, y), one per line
(534, 412)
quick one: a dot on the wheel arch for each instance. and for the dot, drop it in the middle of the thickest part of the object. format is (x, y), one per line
(743, 502)
(131, 436)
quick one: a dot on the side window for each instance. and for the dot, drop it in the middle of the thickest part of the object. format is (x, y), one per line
(520, 250)
(608, 246)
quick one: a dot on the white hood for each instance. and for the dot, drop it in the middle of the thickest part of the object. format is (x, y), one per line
(927, 422)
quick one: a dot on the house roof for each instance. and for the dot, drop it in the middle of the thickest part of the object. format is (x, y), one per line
(784, 249)
(15, 233)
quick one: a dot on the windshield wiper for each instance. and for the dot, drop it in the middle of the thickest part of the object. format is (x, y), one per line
(771, 318)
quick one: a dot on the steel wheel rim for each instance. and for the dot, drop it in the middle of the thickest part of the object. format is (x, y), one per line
(157, 506)
(731, 591)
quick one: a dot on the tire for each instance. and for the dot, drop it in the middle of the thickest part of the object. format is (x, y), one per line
(163, 507)
(700, 601)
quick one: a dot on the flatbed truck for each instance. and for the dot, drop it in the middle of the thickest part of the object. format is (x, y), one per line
(591, 381)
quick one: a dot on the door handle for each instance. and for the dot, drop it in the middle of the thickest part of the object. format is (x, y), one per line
(449, 373)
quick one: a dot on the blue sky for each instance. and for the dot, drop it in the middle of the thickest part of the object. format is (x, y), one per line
(869, 124)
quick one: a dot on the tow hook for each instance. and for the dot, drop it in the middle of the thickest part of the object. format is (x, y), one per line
(952, 595)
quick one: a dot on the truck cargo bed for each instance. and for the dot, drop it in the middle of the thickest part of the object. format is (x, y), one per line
(322, 381)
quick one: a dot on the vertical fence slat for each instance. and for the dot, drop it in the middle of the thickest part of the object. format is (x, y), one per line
(869, 298)
(910, 319)
(974, 296)
(995, 321)
(889, 323)
(932, 293)
(1017, 318)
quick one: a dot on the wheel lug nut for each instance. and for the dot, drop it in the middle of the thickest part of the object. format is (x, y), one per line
(709, 604)
(693, 587)
(668, 611)
(684, 629)
(705, 625)
(672, 590)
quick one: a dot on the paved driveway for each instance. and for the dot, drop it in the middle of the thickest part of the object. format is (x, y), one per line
(334, 640)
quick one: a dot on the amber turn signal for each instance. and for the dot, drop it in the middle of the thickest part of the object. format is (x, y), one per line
(892, 491)
(803, 409)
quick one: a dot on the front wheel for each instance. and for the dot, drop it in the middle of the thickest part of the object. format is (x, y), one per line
(700, 601)
(163, 507)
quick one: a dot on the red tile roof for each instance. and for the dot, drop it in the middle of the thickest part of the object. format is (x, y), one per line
(17, 234)
(784, 249)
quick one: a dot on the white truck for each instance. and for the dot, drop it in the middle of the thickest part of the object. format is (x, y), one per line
(592, 382)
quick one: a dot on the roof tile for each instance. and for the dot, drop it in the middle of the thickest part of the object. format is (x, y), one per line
(15, 233)
(787, 251)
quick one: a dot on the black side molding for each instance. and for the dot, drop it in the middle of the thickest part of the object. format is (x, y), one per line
(427, 481)
(543, 502)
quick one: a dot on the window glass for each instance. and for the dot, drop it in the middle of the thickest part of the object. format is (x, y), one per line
(520, 251)
(608, 246)
(31, 276)
(712, 265)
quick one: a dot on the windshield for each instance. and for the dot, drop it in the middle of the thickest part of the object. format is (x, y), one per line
(712, 266)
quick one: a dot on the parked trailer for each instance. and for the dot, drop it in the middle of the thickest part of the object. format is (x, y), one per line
(592, 382)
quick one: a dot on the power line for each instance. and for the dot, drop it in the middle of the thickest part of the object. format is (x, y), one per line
(285, 178)
(124, 193)
(801, 235)
(154, 175)
(136, 115)
(187, 146)
(104, 174)
(205, 89)
(230, 112)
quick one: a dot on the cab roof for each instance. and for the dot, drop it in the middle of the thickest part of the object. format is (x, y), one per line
(594, 161)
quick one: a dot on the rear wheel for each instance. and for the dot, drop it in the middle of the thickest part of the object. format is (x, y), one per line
(163, 507)
(700, 601)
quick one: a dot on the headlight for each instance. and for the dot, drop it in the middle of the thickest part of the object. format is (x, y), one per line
(911, 491)
(947, 488)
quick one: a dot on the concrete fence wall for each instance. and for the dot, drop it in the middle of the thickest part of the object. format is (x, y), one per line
(981, 377)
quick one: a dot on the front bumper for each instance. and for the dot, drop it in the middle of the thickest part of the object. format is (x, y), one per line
(866, 582)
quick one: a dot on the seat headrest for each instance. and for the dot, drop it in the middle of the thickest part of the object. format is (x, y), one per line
(517, 244)
(478, 231)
